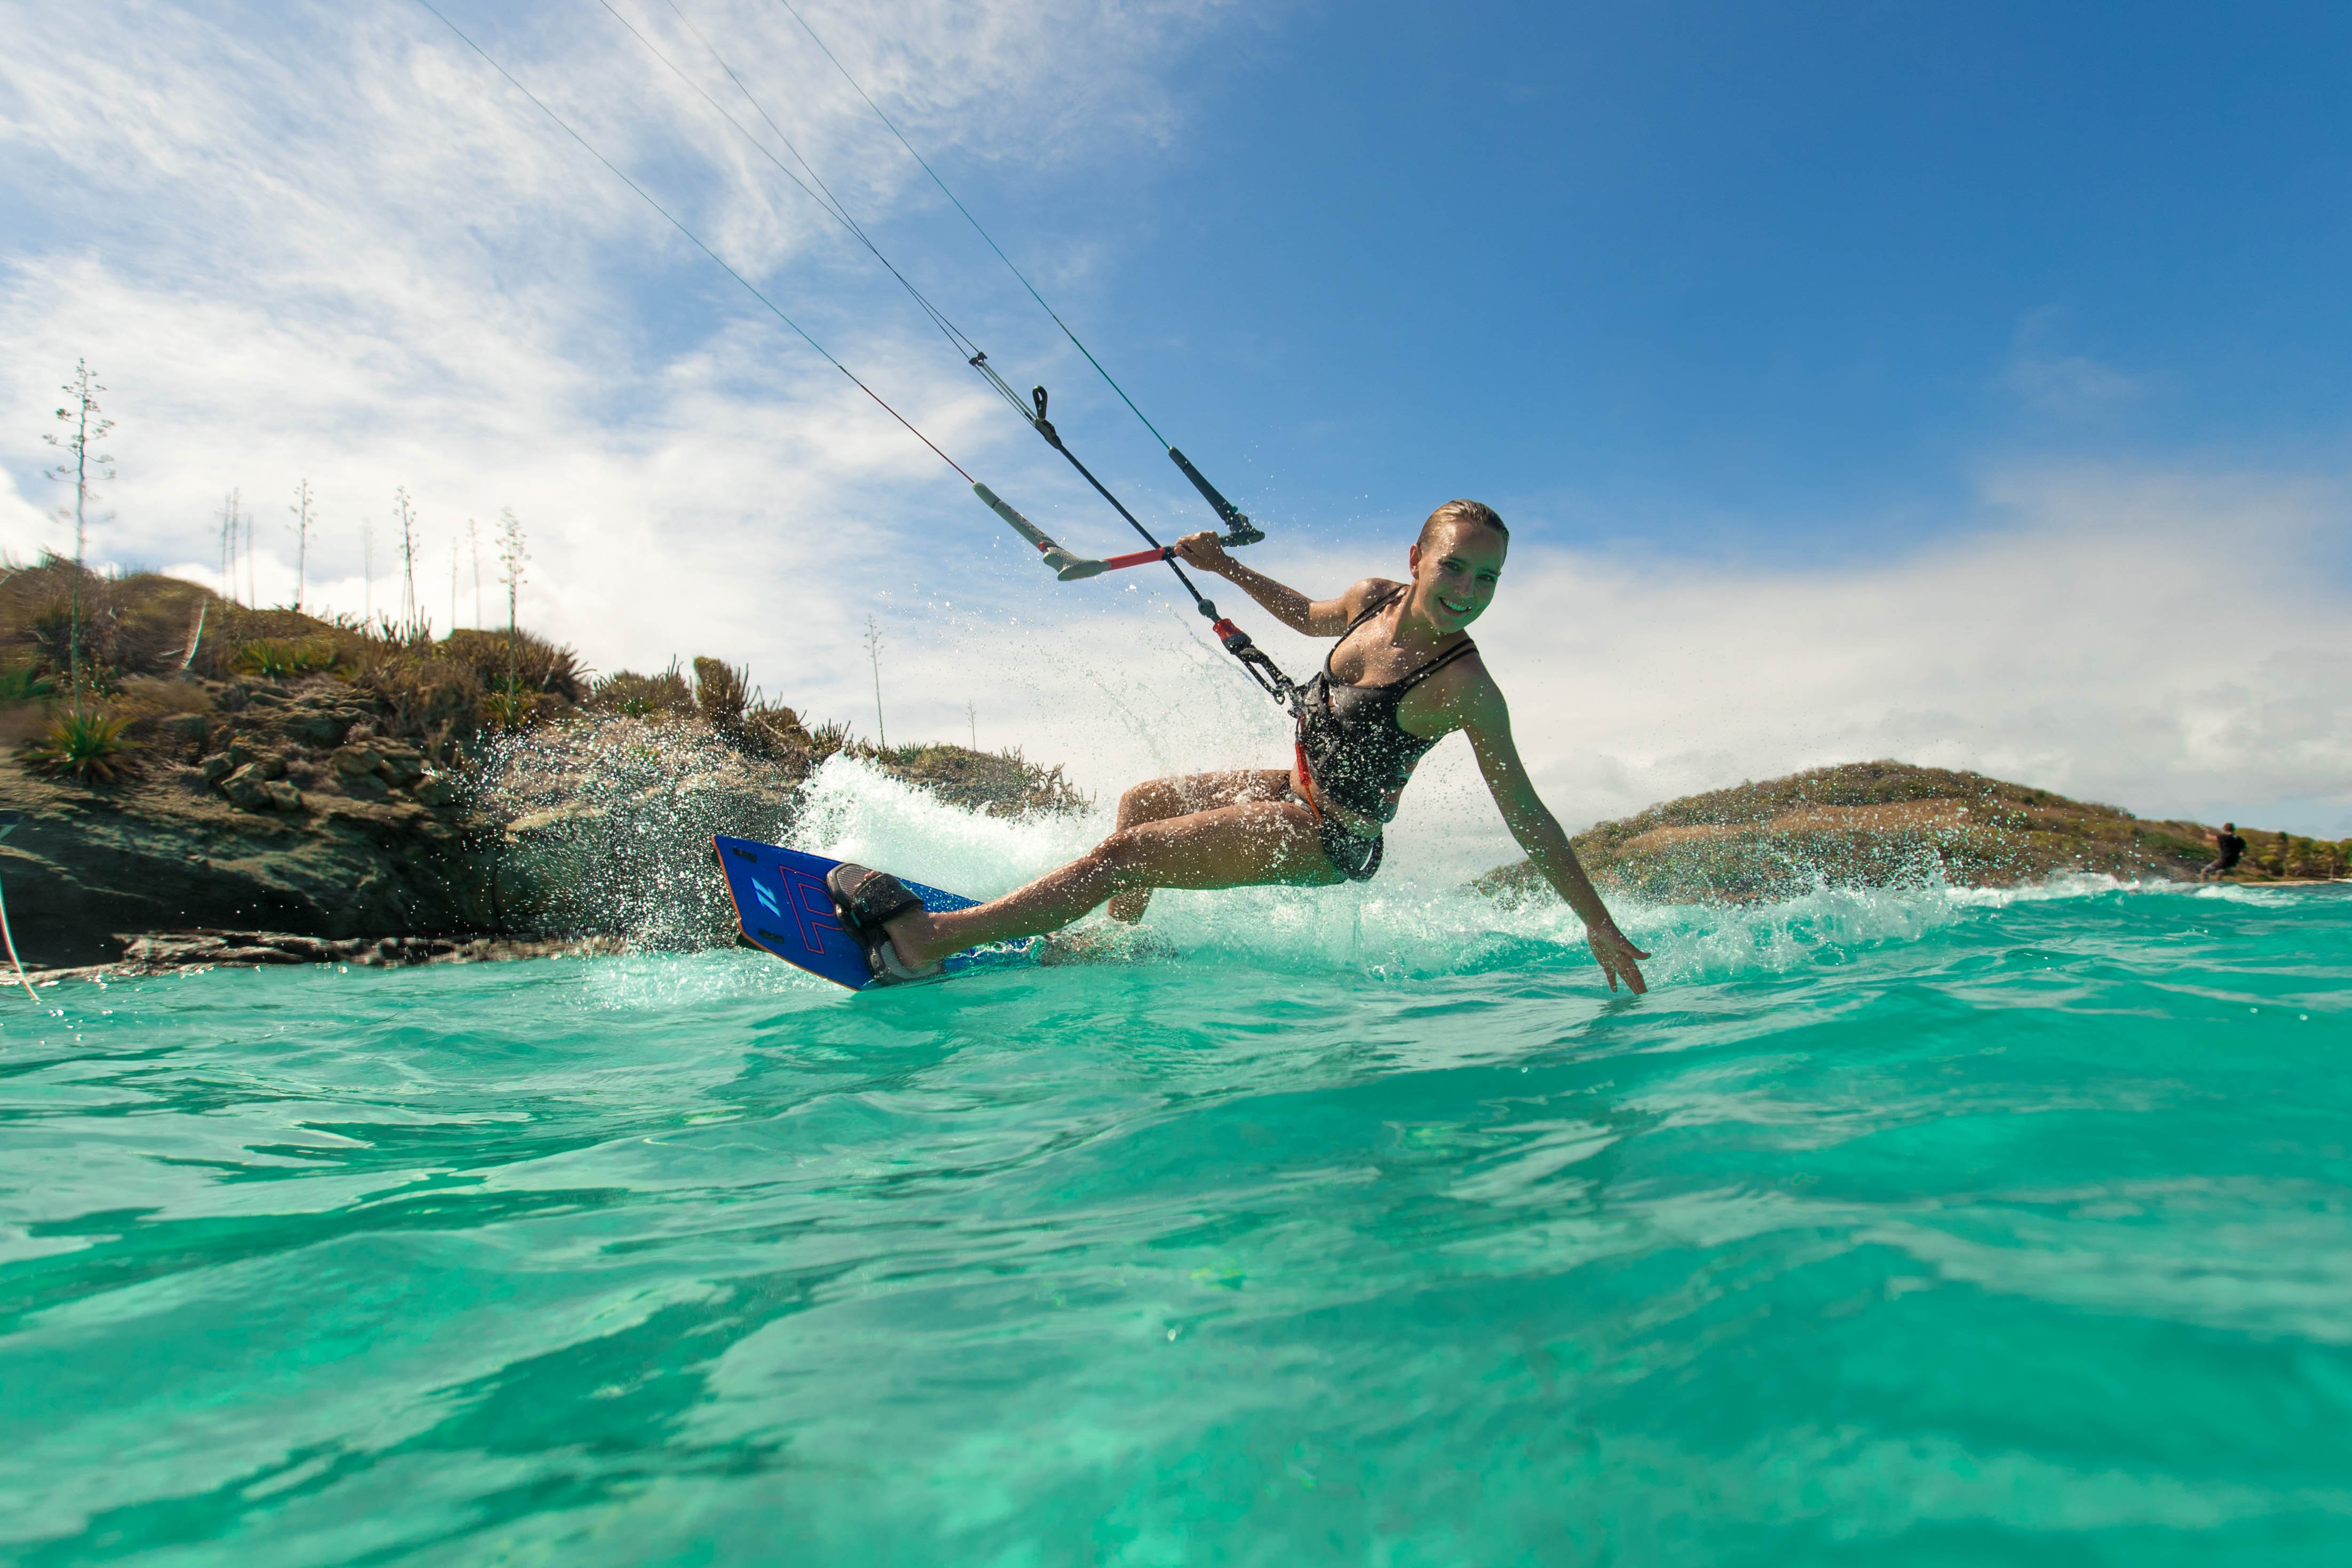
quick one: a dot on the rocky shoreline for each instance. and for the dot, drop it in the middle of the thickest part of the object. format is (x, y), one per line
(322, 842)
(191, 952)
(1890, 824)
(340, 794)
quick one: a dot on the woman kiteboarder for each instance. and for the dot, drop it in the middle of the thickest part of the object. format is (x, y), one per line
(1403, 675)
(1412, 678)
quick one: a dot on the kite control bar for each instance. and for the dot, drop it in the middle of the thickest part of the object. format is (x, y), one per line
(1071, 568)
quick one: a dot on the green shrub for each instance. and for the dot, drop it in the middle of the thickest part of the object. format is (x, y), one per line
(826, 739)
(86, 744)
(281, 658)
(510, 706)
(534, 663)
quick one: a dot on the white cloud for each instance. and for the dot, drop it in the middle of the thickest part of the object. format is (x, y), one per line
(2069, 384)
(2172, 643)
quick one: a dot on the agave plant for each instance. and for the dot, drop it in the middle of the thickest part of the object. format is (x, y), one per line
(511, 706)
(25, 683)
(86, 744)
(828, 738)
(282, 659)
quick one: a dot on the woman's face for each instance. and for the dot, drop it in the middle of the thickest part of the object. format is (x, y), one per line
(1454, 573)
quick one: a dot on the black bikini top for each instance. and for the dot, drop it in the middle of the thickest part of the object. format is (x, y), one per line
(1357, 756)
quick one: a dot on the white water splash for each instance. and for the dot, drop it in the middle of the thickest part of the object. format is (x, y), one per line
(1398, 927)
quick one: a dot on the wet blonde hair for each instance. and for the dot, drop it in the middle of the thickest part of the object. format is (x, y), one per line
(1475, 511)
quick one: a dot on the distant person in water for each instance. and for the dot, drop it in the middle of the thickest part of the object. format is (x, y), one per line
(1403, 675)
(2227, 848)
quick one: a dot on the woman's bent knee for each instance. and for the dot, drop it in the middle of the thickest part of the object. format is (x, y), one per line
(1148, 802)
(1121, 856)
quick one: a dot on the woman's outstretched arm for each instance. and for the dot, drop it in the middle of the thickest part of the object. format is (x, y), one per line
(1488, 725)
(1310, 617)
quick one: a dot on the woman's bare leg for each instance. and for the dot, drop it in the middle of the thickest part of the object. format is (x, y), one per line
(1159, 799)
(1253, 844)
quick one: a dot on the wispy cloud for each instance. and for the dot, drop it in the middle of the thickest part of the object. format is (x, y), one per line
(2059, 384)
(311, 242)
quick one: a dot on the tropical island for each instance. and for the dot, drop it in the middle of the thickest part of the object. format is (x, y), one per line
(206, 782)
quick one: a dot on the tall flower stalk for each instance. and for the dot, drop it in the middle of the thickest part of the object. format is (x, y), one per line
(86, 427)
(404, 511)
(301, 510)
(511, 556)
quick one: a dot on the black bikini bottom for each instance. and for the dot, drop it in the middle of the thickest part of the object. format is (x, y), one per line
(1353, 855)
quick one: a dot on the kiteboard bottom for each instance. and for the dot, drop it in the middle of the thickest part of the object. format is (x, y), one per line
(783, 908)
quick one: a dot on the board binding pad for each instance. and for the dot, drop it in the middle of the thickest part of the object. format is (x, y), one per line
(783, 908)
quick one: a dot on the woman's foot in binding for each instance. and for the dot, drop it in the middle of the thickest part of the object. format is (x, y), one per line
(870, 903)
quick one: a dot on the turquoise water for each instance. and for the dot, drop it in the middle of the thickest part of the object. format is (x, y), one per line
(1890, 1229)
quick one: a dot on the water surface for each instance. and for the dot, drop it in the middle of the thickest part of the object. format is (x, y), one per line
(1889, 1228)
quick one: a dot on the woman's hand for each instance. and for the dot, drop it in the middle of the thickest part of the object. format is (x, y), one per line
(1616, 954)
(1204, 552)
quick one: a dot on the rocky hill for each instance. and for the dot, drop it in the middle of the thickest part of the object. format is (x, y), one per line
(268, 774)
(1887, 823)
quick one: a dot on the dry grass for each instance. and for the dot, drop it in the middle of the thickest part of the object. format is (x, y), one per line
(625, 691)
(535, 665)
(137, 624)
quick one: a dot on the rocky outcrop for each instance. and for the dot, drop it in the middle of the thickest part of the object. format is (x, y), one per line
(166, 952)
(240, 816)
(281, 806)
(266, 771)
(1889, 824)
(286, 813)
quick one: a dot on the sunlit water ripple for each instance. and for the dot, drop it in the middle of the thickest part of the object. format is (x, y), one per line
(1906, 1228)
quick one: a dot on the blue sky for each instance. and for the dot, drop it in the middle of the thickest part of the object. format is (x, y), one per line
(1769, 278)
(1955, 382)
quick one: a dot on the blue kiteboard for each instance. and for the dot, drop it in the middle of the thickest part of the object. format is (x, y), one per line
(783, 908)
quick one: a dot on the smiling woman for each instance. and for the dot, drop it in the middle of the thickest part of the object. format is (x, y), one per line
(1412, 679)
